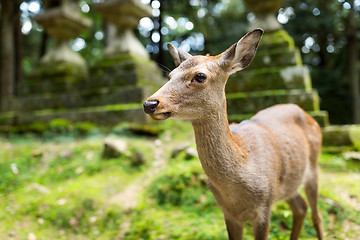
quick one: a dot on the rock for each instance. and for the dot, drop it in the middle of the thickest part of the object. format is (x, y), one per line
(178, 149)
(61, 201)
(342, 136)
(41, 221)
(352, 156)
(31, 236)
(39, 188)
(79, 170)
(114, 148)
(36, 153)
(191, 153)
(14, 168)
(137, 158)
(158, 143)
(66, 154)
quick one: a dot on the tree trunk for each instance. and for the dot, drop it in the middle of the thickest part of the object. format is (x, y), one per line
(161, 51)
(18, 47)
(353, 73)
(7, 58)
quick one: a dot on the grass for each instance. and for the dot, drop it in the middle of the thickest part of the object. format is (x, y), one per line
(60, 187)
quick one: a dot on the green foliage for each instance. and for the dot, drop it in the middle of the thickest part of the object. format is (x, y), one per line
(64, 190)
(327, 23)
(183, 184)
(57, 127)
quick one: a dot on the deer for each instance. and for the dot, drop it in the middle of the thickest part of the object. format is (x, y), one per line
(250, 165)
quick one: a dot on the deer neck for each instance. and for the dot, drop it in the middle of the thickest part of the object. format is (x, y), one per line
(219, 152)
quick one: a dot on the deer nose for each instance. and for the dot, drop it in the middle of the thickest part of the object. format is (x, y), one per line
(150, 106)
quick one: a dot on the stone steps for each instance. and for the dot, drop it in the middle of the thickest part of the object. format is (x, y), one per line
(102, 115)
(321, 117)
(275, 58)
(275, 78)
(63, 84)
(78, 99)
(252, 102)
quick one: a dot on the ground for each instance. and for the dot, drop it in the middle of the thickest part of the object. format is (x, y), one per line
(60, 187)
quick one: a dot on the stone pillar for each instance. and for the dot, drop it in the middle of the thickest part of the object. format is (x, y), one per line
(276, 75)
(125, 16)
(116, 86)
(63, 23)
(264, 11)
(126, 66)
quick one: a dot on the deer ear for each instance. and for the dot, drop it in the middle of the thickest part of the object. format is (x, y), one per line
(178, 55)
(239, 55)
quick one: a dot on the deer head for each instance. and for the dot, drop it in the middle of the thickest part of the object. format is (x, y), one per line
(196, 87)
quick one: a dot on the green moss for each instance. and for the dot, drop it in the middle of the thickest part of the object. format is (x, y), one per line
(58, 71)
(245, 103)
(143, 73)
(7, 118)
(355, 136)
(320, 116)
(182, 184)
(276, 39)
(276, 57)
(337, 135)
(39, 127)
(272, 78)
(81, 197)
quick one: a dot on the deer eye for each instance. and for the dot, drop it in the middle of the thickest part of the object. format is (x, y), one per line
(200, 77)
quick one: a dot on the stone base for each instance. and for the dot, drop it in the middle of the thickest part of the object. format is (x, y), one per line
(276, 39)
(320, 116)
(103, 115)
(274, 78)
(78, 99)
(252, 102)
(112, 93)
(342, 135)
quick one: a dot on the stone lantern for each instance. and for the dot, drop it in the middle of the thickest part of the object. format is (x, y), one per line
(64, 22)
(125, 16)
(264, 11)
(276, 74)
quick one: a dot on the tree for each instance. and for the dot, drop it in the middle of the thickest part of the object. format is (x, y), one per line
(322, 31)
(7, 59)
(353, 71)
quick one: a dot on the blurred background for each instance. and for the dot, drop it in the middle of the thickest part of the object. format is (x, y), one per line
(80, 160)
(326, 32)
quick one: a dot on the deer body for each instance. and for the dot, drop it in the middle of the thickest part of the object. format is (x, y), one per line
(249, 165)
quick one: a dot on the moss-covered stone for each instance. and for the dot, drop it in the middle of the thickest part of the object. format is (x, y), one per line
(274, 78)
(355, 136)
(101, 115)
(276, 39)
(276, 57)
(57, 70)
(7, 118)
(342, 135)
(126, 70)
(320, 116)
(240, 103)
(65, 91)
(83, 98)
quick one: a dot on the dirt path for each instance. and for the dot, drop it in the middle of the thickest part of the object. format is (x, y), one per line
(128, 198)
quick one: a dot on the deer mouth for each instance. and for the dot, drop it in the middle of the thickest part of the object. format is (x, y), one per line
(160, 116)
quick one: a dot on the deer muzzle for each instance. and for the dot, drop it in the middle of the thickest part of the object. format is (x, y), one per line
(150, 106)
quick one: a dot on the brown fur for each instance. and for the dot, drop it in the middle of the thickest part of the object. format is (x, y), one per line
(253, 164)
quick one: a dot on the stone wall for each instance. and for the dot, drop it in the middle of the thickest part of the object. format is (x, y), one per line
(112, 92)
(275, 76)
